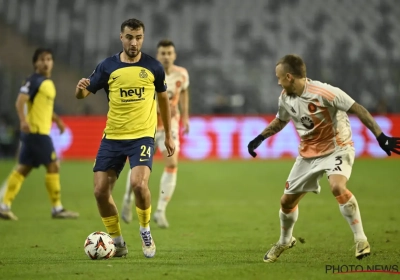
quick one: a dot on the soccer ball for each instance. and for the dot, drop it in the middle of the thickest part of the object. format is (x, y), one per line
(99, 246)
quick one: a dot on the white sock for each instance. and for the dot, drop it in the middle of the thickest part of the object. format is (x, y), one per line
(57, 209)
(167, 187)
(143, 229)
(351, 212)
(4, 207)
(119, 240)
(287, 224)
(128, 196)
(3, 189)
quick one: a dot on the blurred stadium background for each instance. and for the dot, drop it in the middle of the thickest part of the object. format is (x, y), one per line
(229, 48)
(222, 222)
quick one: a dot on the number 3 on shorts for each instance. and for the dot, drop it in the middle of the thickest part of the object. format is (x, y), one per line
(146, 152)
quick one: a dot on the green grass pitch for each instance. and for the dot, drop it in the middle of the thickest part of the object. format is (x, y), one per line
(223, 217)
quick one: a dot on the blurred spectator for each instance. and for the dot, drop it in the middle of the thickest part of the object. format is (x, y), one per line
(7, 138)
(221, 105)
(230, 43)
(382, 107)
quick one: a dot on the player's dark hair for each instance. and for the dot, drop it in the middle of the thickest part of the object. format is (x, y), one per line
(294, 65)
(165, 43)
(40, 51)
(133, 24)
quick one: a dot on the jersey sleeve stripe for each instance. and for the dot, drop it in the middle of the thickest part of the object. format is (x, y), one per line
(327, 92)
(322, 93)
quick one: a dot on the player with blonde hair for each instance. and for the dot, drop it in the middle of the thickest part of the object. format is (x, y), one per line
(319, 113)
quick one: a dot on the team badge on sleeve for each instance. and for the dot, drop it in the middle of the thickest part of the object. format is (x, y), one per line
(25, 87)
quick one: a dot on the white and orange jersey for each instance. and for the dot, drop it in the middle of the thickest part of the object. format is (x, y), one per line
(319, 116)
(177, 81)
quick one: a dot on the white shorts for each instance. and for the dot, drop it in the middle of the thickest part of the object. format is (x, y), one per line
(306, 173)
(160, 138)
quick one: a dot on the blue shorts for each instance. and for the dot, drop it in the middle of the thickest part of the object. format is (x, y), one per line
(112, 154)
(36, 150)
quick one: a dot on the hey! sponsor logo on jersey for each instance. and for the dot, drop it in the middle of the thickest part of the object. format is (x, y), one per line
(132, 92)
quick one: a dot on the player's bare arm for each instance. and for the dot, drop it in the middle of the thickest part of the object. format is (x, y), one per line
(20, 106)
(184, 103)
(60, 124)
(273, 128)
(81, 91)
(388, 144)
(163, 103)
(366, 118)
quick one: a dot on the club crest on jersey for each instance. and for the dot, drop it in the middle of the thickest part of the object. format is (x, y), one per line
(307, 122)
(293, 110)
(143, 74)
(178, 84)
(312, 108)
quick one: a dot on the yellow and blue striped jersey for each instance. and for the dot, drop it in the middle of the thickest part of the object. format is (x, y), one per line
(42, 92)
(131, 91)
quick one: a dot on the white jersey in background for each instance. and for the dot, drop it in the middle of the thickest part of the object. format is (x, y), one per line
(177, 80)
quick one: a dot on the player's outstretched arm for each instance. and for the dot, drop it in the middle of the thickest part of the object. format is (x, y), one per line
(273, 128)
(388, 144)
(366, 118)
(81, 91)
(20, 106)
(163, 103)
